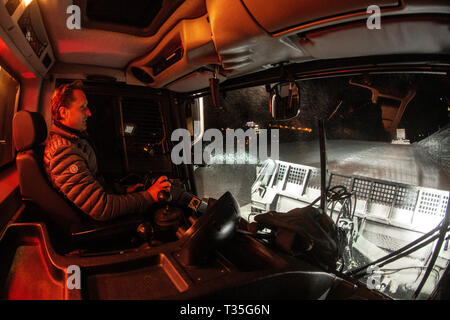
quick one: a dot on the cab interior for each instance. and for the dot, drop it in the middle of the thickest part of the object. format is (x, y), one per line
(147, 64)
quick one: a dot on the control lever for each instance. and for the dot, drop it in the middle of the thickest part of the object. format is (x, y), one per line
(164, 196)
(167, 220)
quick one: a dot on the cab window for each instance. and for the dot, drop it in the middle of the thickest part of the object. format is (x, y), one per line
(9, 97)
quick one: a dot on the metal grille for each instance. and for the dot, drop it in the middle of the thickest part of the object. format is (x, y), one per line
(314, 179)
(406, 198)
(383, 193)
(281, 172)
(337, 180)
(149, 132)
(362, 188)
(444, 205)
(30, 34)
(422, 205)
(296, 175)
(430, 203)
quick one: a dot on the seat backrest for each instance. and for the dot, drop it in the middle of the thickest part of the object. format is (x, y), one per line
(29, 133)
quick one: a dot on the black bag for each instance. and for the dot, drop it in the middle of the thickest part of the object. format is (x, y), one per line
(304, 231)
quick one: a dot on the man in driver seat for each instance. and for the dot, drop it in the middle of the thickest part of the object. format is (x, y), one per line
(71, 163)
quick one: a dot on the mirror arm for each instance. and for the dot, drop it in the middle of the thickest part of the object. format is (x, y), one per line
(286, 76)
(215, 88)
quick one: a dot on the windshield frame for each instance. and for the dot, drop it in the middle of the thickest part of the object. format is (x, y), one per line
(419, 64)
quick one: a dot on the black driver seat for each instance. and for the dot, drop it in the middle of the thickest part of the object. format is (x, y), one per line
(68, 227)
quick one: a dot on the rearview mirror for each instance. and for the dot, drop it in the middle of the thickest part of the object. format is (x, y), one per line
(284, 101)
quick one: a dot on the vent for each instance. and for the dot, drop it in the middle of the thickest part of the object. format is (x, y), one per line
(147, 141)
(168, 61)
(141, 75)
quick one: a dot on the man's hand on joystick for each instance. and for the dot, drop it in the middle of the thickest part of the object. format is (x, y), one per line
(162, 184)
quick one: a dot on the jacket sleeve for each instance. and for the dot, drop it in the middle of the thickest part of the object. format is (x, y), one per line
(71, 175)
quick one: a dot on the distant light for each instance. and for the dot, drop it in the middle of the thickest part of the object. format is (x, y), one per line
(129, 129)
(26, 2)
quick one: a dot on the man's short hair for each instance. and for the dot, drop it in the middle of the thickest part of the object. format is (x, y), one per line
(63, 97)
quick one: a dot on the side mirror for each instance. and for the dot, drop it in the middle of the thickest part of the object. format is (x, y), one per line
(284, 101)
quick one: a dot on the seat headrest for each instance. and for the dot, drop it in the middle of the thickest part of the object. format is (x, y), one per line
(29, 130)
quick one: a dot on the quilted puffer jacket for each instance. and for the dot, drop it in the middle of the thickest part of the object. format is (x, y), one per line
(71, 166)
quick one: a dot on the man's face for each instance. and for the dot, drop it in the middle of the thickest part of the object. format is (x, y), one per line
(75, 116)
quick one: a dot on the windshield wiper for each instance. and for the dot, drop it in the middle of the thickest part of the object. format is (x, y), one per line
(417, 244)
(442, 232)
(357, 273)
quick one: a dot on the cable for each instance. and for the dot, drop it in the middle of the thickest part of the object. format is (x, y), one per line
(339, 195)
(413, 246)
(407, 252)
(391, 271)
(392, 254)
(441, 235)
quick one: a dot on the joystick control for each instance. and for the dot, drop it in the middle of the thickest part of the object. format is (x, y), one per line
(164, 196)
(167, 219)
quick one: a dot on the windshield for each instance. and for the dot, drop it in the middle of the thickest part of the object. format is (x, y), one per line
(387, 146)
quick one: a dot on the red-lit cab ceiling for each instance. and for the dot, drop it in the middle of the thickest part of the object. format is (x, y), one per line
(10, 61)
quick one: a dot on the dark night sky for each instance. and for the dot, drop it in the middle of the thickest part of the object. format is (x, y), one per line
(357, 118)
